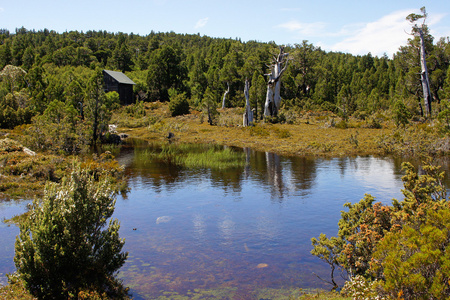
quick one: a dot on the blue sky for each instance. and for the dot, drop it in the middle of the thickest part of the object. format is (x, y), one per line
(354, 26)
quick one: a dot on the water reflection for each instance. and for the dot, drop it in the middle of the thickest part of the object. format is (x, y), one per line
(281, 176)
(241, 228)
(234, 231)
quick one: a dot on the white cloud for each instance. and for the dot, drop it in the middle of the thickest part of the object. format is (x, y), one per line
(201, 23)
(308, 29)
(384, 35)
(2, 9)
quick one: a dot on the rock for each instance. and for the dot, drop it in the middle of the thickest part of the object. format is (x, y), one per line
(260, 266)
(28, 151)
(163, 219)
(112, 128)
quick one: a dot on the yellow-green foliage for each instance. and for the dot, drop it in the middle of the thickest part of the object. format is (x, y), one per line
(415, 260)
(291, 139)
(9, 145)
(281, 133)
(24, 175)
(230, 117)
(16, 290)
(419, 140)
(404, 248)
(168, 126)
(258, 130)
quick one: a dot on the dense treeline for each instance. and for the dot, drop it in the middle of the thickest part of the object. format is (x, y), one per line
(191, 63)
(59, 67)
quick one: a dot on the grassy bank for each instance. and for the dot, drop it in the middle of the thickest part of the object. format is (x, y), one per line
(24, 173)
(303, 134)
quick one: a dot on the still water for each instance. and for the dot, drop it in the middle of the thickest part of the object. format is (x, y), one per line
(243, 233)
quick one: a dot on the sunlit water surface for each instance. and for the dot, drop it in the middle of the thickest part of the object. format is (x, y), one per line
(243, 233)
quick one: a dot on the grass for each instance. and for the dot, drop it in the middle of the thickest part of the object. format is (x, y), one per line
(304, 134)
(23, 176)
(196, 156)
(285, 139)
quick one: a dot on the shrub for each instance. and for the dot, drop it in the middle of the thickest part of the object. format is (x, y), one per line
(401, 113)
(178, 105)
(403, 248)
(282, 133)
(342, 124)
(65, 246)
(415, 260)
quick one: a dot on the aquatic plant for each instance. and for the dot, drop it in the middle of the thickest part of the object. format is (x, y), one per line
(196, 156)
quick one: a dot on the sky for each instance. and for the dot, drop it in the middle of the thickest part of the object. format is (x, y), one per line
(351, 26)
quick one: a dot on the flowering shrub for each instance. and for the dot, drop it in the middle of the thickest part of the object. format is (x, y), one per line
(360, 288)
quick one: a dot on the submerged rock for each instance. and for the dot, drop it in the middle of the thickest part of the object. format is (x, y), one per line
(163, 219)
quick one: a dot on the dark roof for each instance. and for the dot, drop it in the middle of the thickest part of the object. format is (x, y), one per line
(119, 76)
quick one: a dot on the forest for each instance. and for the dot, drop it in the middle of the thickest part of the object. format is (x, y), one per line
(52, 100)
(57, 67)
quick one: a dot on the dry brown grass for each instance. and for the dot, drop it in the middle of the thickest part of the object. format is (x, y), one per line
(309, 134)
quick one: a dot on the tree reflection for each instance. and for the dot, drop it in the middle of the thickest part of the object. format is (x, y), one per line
(283, 175)
(274, 174)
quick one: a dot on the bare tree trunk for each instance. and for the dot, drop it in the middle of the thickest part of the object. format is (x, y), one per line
(225, 95)
(273, 96)
(248, 115)
(424, 76)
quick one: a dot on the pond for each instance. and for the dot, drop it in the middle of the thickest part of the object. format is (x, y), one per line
(239, 233)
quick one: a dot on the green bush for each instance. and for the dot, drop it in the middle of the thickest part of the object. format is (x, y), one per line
(415, 261)
(402, 251)
(401, 113)
(66, 246)
(178, 105)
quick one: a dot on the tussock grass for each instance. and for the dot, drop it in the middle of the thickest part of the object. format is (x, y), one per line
(307, 133)
(222, 159)
(196, 156)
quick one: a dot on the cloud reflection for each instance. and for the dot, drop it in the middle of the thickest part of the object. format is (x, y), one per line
(227, 227)
(199, 227)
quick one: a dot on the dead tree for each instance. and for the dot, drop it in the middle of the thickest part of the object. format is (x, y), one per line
(273, 95)
(225, 95)
(248, 115)
(424, 77)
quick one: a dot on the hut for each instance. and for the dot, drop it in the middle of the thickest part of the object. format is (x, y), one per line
(120, 83)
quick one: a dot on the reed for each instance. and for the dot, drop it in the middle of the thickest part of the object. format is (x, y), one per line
(214, 159)
(195, 156)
